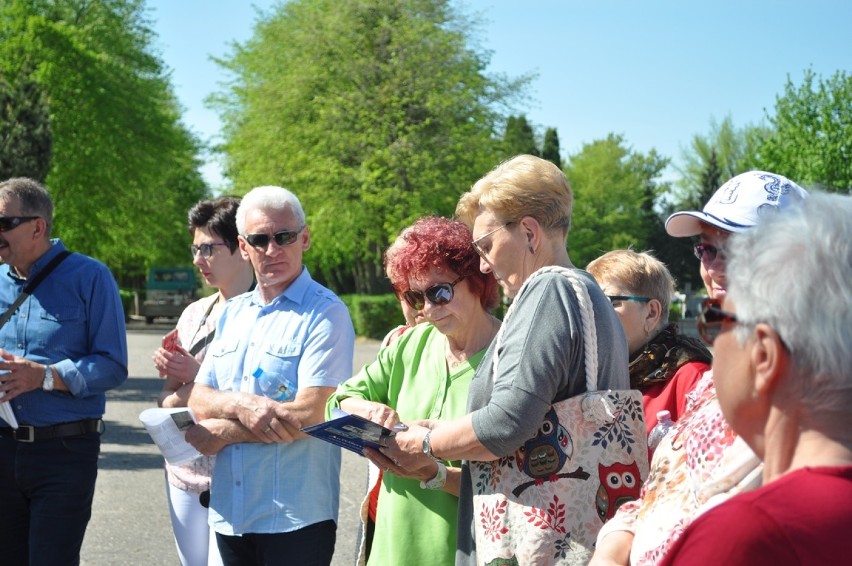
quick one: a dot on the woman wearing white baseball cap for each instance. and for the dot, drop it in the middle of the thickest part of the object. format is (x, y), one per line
(701, 462)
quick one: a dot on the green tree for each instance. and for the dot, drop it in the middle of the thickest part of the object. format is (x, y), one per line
(731, 150)
(374, 112)
(550, 147)
(614, 195)
(811, 137)
(25, 137)
(519, 137)
(123, 170)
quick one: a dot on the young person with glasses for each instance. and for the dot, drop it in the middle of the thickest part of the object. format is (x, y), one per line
(61, 350)
(783, 354)
(701, 462)
(215, 252)
(279, 352)
(664, 364)
(424, 374)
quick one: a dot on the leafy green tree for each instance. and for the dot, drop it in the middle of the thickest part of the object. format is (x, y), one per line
(811, 137)
(519, 137)
(25, 137)
(731, 151)
(614, 194)
(123, 170)
(374, 112)
(550, 148)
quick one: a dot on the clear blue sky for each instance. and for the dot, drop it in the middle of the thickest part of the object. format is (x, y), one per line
(655, 71)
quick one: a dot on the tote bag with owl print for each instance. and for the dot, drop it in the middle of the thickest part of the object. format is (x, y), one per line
(545, 503)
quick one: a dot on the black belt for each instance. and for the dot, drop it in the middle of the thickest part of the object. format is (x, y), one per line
(27, 433)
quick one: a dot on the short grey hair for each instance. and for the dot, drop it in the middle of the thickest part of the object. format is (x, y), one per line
(269, 198)
(32, 197)
(794, 272)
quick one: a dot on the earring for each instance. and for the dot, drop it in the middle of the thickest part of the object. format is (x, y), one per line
(532, 251)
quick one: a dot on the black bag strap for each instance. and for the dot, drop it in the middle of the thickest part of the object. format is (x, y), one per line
(32, 284)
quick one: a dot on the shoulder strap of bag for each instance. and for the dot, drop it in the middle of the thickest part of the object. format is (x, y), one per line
(32, 284)
(587, 319)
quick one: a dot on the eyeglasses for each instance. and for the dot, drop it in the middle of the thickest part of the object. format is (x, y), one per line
(479, 249)
(205, 249)
(11, 222)
(282, 238)
(616, 299)
(438, 295)
(711, 319)
(707, 252)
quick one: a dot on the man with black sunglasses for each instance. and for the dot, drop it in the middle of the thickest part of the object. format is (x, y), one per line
(279, 352)
(701, 461)
(63, 345)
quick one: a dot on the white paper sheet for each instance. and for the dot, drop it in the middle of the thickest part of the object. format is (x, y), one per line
(167, 428)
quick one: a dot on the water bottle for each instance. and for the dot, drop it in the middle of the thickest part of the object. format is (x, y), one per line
(662, 428)
(276, 388)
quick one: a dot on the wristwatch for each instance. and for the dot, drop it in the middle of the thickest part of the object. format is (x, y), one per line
(427, 445)
(47, 382)
(438, 481)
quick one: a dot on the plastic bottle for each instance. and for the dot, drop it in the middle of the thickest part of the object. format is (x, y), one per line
(275, 387)
(663, 426)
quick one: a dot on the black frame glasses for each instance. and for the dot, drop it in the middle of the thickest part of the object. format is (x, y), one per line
(11, 222)
(618, 298)
(707, 252)
(712, 318)
(282, 238)
(438, 295)
(206, 249)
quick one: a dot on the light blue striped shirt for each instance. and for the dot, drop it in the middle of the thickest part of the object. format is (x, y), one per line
(303, 338)
(74, 321)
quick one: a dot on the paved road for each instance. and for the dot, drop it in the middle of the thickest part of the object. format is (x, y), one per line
(130, 519)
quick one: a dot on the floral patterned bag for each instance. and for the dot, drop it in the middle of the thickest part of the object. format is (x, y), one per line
(545, 503)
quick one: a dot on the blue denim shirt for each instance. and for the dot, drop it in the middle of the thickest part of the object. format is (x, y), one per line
(74, 321)
(302, 338)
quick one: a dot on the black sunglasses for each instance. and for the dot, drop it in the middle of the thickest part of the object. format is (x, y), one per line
(11, 222)
(711, 319)
(439, 294)
(282, 238)
(707, 252)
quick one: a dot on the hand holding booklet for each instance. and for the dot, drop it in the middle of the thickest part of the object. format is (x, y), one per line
(168, 429)
(352, 432)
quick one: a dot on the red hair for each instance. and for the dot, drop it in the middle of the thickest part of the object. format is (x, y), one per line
(437, 242)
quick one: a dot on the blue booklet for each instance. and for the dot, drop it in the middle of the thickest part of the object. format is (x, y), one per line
(351, 432)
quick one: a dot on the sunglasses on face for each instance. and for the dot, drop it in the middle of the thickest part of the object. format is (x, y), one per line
(707, 252)
(282, 238)
(616, 299)
(11, 222)
(438, 295)
(711, 319)
(205, 249)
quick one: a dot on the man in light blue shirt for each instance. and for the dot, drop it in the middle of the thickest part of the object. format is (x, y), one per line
(61, 349)
(280, 351)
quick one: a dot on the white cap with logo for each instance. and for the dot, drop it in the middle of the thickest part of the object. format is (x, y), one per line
(738, 204)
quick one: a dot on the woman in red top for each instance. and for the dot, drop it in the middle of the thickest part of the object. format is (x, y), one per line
(664, 365)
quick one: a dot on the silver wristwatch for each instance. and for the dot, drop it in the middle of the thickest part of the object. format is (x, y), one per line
(47, 382)
(438, 481)
(427, 445)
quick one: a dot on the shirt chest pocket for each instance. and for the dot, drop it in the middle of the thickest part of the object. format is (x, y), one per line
(61, 314)
(277, 373)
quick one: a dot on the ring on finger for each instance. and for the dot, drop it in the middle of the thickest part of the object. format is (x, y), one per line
(268, 428)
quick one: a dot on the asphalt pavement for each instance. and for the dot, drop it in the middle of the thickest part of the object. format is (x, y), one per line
(130, 518)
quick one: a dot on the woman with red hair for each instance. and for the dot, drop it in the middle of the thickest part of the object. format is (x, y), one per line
(424, 374)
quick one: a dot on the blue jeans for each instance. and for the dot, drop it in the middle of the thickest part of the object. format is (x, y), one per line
(46, 492)
(310, 546)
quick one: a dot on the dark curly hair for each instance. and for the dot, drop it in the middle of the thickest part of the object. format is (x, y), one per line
(437, 242)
